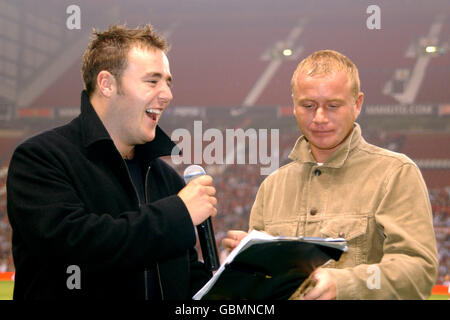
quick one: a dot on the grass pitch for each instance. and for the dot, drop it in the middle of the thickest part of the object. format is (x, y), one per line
(6, 290)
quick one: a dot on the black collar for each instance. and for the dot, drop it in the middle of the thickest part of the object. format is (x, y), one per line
(93, 131)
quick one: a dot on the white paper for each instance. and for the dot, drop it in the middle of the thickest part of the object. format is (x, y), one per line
(258, 237)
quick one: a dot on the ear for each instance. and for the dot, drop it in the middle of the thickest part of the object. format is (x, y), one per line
(358, 104)
(293, 103)
(106, 83)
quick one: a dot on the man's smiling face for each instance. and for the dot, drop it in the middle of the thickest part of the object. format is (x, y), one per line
(143, 94)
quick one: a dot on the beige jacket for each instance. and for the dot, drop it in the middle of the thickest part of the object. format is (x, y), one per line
(375, 199)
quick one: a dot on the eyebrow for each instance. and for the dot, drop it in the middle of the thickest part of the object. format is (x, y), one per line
(304, 100)
(341, 101)
(312, 100)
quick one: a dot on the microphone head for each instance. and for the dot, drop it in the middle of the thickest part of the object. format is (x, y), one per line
(192, 172)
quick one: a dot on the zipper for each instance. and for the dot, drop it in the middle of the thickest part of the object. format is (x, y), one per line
(146, 201)
(131, 180)
(157, 265)
(159, 281)
(137, 197)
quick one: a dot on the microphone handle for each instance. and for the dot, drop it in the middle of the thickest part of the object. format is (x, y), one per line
(208, 244)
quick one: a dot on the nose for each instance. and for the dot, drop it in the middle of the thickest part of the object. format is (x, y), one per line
(165, 96)
(320, 116)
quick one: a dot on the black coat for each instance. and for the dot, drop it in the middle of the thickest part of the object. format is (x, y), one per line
(71, 201)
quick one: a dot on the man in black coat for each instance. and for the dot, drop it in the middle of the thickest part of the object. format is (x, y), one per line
(95, 214)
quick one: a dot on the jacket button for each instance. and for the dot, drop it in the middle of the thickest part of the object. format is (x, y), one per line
(313, 211)
(317, 172)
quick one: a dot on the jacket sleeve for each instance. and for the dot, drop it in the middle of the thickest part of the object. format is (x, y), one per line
(256, 221)
(198, 273)
(408, 268)
(50, 220)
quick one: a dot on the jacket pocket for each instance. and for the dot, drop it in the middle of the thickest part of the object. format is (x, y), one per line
(354, 230)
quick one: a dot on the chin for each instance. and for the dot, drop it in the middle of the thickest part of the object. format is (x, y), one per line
(322, 141)
(324, 145)
(149, 135)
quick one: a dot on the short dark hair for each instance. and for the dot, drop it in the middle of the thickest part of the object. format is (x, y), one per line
(108, 50)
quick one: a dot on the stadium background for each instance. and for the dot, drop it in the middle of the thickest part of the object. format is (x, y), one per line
(231, 70)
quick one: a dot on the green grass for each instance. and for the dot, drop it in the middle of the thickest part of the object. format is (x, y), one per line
(438, 297)
(6, 290)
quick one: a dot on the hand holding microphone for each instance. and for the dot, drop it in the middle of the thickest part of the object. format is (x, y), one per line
(198, 196)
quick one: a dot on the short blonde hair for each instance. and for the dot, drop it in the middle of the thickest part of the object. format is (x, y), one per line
(326, 62)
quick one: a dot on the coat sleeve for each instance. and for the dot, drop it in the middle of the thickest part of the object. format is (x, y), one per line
(408, 268)
(198, 273)
(50, 220)
(256, 221)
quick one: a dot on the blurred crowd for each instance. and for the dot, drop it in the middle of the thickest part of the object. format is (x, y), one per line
(440, 202)
(6, 262)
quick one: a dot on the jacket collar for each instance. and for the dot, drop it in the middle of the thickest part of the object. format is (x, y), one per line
(93, 131)
(302, 152)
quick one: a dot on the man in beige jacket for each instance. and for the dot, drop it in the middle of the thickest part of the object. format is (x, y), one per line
(338, 185)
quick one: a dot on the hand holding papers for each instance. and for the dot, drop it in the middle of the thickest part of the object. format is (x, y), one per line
(267, 267)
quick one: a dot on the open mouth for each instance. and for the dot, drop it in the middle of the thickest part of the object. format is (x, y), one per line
(153, 113)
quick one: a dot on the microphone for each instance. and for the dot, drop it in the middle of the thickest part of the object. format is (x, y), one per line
(205, 229)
